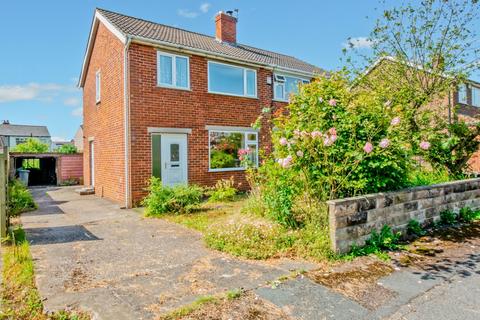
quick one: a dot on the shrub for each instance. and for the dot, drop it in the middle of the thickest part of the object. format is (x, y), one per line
(466, 214)
(424, 177)
(221, 159)
(414, 228)
(67, 149)
(32, 145)
(19, 199)
(178, 199)
(223, 190)
(448, 217)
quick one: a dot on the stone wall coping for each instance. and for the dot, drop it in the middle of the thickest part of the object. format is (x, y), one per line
(413, 189)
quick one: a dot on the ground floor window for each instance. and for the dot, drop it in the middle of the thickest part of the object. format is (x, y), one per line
(227, 147)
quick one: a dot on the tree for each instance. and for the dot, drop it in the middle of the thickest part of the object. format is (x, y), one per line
(67, 149)
(32, 145)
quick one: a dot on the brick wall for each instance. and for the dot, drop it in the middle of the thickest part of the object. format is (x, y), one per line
(153, 106)
(103, 122)
(70, 167)
(353, 219)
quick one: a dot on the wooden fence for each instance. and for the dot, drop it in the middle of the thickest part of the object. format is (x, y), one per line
(3, 190)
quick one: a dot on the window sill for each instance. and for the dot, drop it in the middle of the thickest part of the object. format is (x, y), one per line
(233, 95)
(172, 87)
(278, 100)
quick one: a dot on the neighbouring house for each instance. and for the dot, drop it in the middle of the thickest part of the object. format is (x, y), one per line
(175, 104)
(78, 139)
(14, 134)
(58, 143)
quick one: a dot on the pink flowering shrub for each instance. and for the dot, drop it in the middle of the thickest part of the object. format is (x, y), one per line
(340, 143)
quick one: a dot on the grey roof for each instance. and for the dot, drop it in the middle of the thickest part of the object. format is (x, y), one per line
(158, 32)
(23, 130)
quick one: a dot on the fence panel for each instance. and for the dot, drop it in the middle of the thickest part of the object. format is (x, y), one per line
(3, 190)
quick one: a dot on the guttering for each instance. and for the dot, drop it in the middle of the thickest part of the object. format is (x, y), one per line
(127, 121)
(218, 56)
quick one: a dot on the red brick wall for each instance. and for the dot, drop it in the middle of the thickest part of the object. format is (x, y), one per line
(71, 167)
(153, 106)
(104, 121)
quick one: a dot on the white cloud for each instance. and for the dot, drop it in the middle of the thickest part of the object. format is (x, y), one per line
(204, 7)
(187, 13)
(78, 112)
(72, 102)
(32, 91)
(358, 43)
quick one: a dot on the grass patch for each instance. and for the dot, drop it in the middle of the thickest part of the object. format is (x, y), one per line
(19, 297)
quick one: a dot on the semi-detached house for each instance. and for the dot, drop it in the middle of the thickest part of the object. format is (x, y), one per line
(166, 102)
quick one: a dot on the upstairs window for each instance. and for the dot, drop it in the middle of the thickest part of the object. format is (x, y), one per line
(172, 71)
(475, 97)
(284, 86)
(232, 80)
(97, 86)
(462, 94)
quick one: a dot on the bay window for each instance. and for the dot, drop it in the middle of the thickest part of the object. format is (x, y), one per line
(284, 86)
(227, 148)
(232, 80)
(172, 70)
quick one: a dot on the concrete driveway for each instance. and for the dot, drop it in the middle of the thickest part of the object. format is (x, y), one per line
(118, 265)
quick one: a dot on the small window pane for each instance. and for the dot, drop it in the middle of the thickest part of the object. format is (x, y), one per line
(97, 86)
(174, 152)
(251, 83)
(476, 97)
(253, 153)
(224, 148)
(225, 79)
(279, 94)
(181, 72)
(462, 94)
(252, 137)
(166, 70)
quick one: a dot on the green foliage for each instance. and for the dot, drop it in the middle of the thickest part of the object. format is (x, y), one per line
(223, 190)
(386, 240)
(178, 199)
(448, 217)
(414, 228)
(32, 145)
(466, 214)
(341, 141)
(425, 177)
(220, 159)
(452, 145)
(19, 199)
(67, 149)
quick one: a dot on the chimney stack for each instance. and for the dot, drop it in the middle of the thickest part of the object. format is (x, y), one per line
(226, 27)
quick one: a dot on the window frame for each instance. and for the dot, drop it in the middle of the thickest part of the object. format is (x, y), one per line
(98, 86)
(174, 70)
(245, 95)
(473, 88)
(465, 87)
(246, 142)
(285, 75)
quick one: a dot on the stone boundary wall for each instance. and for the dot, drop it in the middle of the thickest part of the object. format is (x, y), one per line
(353, 219)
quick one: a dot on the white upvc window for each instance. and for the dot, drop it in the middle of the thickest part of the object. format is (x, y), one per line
(224, 147)
(232, 80)
(462, 93)
(475, 96)
(285, 85)
(173, 70)
(98, 86)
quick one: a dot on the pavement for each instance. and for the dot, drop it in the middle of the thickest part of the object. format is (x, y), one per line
(91, 255)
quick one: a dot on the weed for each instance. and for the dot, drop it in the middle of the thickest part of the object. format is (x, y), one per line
(448, 217)
(19, 199)
(386, 240)
(234, 294)
(186, 310)
(414, 228)
(223, 190)
(466, 214)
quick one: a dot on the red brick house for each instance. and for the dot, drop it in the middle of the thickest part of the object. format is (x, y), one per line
(166, 102)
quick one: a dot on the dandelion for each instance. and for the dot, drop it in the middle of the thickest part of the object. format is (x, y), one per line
(299, 153)
(395, 121)
(384, 143)
(424, 145)
(368, 147)
(332, 102)
(283, 141)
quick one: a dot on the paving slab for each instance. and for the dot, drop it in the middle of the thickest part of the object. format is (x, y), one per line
(92, 255)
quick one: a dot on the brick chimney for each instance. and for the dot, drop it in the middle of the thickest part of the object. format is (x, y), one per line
(226, 27)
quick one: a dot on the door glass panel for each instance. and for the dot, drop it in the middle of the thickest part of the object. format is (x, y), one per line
(156, 165)
(174, 152)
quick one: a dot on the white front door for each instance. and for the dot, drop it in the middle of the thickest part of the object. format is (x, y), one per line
(174, 159)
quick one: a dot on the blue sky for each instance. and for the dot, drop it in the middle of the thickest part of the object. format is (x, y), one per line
(43, 43)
